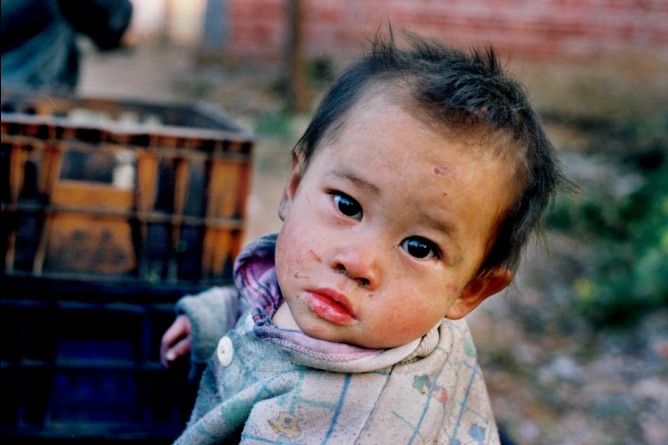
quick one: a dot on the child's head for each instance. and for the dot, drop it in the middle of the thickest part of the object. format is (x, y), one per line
(412, 193)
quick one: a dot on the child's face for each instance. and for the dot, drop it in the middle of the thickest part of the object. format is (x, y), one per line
(385, 229)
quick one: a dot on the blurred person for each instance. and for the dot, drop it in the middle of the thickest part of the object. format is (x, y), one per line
(39, 39)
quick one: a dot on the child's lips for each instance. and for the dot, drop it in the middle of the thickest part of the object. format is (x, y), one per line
(331, 306)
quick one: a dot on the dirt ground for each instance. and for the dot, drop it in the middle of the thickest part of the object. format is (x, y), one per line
(552, 379)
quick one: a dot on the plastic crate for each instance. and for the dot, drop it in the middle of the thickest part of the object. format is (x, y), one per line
(125, 192)
(80, 365)
(111, 210)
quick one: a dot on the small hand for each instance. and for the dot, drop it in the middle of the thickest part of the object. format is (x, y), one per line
(176, 341)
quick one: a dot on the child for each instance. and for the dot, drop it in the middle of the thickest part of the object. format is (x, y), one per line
(411, 195)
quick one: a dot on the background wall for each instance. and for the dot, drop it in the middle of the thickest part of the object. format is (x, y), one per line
(544, 29)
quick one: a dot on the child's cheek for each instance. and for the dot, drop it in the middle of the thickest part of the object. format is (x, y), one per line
(451, 291)
(291, 258)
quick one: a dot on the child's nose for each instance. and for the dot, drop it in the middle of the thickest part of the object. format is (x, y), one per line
(359, 263)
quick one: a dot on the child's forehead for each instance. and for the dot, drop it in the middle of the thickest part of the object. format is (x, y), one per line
(381, 120)
(479, 137)
(380, 99)
(480, 141)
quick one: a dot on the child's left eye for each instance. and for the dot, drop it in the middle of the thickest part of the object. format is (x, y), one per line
(347, 205)
(419, 247)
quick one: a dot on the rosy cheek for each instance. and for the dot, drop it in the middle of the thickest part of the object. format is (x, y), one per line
(291, 263)
(451, 290)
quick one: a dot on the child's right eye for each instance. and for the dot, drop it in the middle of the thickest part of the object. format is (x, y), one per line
(420, 248)
(347, 205)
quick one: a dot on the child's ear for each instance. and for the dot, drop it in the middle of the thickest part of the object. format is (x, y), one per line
(291, 186)
(477, 291)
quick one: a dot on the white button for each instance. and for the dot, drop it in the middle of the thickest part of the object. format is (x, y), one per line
(225, 351)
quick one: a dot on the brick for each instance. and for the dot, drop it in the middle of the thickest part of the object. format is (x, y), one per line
(556, 28)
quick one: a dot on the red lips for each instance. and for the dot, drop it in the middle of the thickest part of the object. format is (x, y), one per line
(331, 306)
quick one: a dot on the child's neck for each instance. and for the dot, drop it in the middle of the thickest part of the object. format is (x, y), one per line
(283, 318)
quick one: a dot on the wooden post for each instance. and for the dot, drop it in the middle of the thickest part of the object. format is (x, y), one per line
(299, 94)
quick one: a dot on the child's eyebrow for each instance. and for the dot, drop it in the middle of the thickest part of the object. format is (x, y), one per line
(360, 182)
(454, 255)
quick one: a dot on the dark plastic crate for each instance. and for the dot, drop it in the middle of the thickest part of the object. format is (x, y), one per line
(111, 210)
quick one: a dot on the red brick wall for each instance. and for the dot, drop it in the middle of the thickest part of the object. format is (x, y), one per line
(569, 29)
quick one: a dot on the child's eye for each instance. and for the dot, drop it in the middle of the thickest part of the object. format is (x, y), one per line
(347, 205)
(420, 248)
